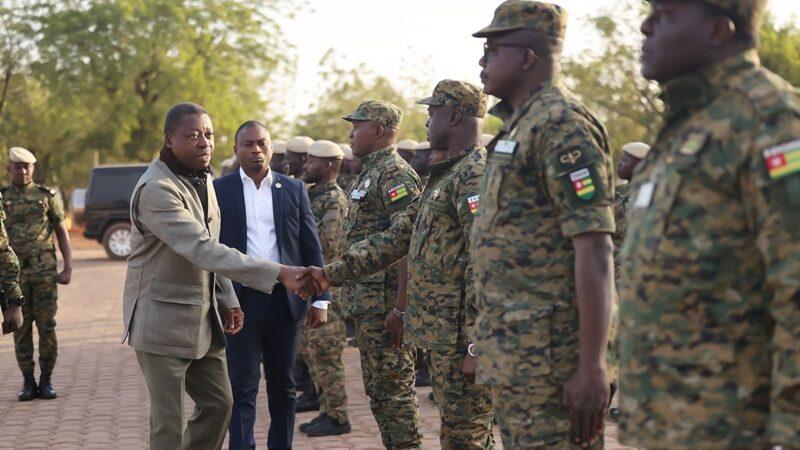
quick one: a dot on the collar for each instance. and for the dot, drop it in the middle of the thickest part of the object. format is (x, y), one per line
(441, 167)
(167, 156)
(321, 188)
(506, 112)
(268, 179)
(702, 86)
(26, 188)
(377, 155)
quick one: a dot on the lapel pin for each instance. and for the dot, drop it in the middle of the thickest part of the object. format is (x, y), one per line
(278, 185)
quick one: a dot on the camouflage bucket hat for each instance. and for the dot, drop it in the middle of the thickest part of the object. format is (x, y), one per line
(458, 94)
(511, 15)
(378, 111)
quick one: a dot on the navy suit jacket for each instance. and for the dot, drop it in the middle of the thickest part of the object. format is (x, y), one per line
(296, 229)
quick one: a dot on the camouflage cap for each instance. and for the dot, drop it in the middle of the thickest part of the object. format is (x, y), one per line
(458, 94)
(749, 10)
(378, 111)
(543, 17)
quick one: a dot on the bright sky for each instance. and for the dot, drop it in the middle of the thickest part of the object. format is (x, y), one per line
(429, 38)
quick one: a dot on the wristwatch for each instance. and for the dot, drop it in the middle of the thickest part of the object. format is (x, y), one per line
(471, 350)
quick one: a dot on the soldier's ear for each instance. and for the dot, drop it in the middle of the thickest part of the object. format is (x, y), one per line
(455, 117)
(723, 32)
(529, 59)
(167, 140)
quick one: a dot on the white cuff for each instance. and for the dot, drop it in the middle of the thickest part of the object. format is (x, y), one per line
(321, 304)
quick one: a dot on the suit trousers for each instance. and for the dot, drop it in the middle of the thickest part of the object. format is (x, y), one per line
(269, 337)
(206, 381)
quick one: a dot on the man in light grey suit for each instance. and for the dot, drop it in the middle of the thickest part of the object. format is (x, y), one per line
(177, 287)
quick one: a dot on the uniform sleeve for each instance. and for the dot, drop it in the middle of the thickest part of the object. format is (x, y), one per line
(56, 211)
(467, 203)
(579, 178)
(771, 194)
(331, 227)
(9, 264)
(376, 252)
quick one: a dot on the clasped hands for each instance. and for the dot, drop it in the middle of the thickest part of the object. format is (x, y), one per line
(305, 282)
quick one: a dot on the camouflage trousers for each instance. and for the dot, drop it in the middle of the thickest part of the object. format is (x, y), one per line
(533, 417)
(465, 408)
(322, 349)
(389, 383)
(41, 293)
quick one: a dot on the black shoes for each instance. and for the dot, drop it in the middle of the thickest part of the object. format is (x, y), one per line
(304, 426)
(29, 389)
(308, 401)
(46, 391)
(327, 426)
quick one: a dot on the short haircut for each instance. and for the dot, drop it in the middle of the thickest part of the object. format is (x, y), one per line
(745, 34)
(176, 114)
(246, 125)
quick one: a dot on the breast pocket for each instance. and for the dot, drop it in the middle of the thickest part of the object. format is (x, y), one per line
(498, 169)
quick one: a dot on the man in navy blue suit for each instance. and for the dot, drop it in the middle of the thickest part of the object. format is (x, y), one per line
(266, 215)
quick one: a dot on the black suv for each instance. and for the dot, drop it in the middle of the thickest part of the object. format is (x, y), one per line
(107, 212)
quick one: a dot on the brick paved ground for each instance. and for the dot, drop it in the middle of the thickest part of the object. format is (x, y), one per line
(102, 400)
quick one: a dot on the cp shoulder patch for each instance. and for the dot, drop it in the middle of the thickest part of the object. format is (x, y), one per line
(783, 160)
(473, 202)
(694, 142)
(398, 192)
(583, 184)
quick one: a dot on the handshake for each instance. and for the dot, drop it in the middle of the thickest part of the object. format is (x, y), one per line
(307, 282)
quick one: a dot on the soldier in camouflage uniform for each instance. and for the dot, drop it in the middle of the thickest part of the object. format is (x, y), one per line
(710, 284)
(434, 235)
(385, 187)
(10, 293)
(322, 347)
(542, 251)
(351, 167)
(33, 214)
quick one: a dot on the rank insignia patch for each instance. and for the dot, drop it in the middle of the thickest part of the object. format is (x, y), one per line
(583, 184)
(783, 160)
(473, 202)
(398, 192)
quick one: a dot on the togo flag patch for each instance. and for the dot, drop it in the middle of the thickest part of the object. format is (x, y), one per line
(783, 160)
(583, 184)
(473, 203)
(398, 192)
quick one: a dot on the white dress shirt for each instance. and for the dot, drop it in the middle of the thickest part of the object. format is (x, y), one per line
(262, 238)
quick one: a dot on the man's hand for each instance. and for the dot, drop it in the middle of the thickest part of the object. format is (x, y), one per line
(587, 397)
(12, 319)
(468, 367)
(394, 325)
(316, 317)
(321, 282)
(64, 277)
(233, 321)
(298, 280)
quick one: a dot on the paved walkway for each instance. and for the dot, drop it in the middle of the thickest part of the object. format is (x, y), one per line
(102, 400)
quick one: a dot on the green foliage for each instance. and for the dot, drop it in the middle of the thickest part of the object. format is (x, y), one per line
(105, 73)
(780, 50)
(346, 89)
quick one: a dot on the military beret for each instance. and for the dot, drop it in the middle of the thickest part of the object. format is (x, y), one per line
(407, 145)
(279, 147)
(424, 145)
(378, 111)
(20, 155)
(458, 94)
(486, 138)
(545, 18)
(638, 150)
(325, 149)
(348, 152)
(299, 144)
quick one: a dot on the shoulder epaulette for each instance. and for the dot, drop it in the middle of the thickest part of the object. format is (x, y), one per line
(46, 189)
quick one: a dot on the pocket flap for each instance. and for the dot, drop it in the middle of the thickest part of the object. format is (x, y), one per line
(173, 292)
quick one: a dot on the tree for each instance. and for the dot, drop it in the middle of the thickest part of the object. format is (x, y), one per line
(780, 50)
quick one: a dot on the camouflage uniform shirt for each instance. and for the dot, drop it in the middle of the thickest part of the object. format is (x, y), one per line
(548, 178)
(710, 285)
(32, 212)
(384, 188)
(9, 265)
(434, 232)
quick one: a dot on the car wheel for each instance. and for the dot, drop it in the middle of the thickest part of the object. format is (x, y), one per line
(117, 241)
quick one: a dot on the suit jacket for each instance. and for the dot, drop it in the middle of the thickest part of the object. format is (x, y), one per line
(178, 272)
(295, 226)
